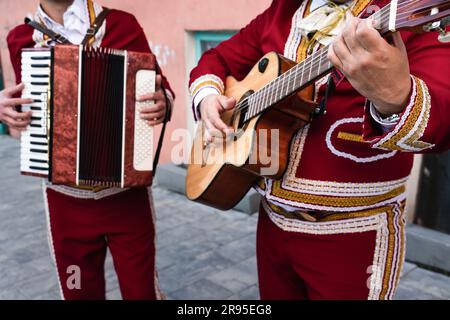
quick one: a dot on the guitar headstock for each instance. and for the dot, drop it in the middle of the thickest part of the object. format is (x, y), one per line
(423, 15)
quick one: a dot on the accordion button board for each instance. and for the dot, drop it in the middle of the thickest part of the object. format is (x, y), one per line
(143, 132)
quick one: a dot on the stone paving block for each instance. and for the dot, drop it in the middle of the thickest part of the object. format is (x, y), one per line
(37, 286)
(428, 282)
(201, 290)
(180, 275)
(240, 249)
(238, 277)
(251, 293)
(407, 293)
(407, 268)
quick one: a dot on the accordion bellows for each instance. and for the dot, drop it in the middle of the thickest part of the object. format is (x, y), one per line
(88, 116)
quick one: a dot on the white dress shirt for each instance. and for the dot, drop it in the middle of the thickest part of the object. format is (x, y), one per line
(76, 22)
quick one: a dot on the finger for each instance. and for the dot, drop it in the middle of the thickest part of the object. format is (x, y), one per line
(158, 95)
(349, 35)
(10, 112)
(158, 82)
(341, 51)
(160, 106)
(334, 58)
(227, 103)
(153, 123)
(152, 116)
(12, 102)
(368, 36)
(213, 130)
(9, 92)
(11, 122)
(398, 41)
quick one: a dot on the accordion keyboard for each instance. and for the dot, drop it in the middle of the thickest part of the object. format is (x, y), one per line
(34, 152)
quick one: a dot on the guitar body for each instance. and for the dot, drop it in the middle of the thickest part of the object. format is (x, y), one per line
(219, 175)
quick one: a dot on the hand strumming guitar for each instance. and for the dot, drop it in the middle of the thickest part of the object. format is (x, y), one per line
(376, 69)
(211, 108)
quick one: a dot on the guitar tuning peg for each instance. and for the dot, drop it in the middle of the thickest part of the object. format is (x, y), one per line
(444, 37)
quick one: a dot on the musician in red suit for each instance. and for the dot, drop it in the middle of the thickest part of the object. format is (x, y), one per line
(85, 222)
(334, 226)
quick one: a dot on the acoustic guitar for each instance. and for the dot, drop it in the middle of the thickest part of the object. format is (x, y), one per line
(277, 94)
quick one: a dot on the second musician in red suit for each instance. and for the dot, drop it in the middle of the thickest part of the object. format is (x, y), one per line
(334, 226)
(85, 222)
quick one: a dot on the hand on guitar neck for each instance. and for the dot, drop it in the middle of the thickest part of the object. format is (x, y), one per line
(211, 109)
(376, 69)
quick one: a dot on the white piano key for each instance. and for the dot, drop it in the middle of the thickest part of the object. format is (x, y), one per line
(29, 72)
(29, 163)
(28, 170)
(36, 53)
(32, 60)
(43, 69)
(30, 80)
(37, 156)
(36, 88)
(33, 148)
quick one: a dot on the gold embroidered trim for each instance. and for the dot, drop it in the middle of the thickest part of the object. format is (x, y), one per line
(278, 191)
(351, 137)
(207, 80)
(409, 127)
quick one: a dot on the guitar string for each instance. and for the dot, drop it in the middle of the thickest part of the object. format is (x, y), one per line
(383, 14)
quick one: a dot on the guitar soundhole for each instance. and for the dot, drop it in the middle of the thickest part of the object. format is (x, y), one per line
(240, 115)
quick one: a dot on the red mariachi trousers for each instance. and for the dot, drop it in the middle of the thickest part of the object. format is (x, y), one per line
(353, 258)
(81, 230)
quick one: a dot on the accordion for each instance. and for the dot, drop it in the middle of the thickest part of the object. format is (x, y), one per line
(85, 128)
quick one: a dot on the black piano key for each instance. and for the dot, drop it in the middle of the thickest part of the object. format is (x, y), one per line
(37, 101)
(39, 143)
(36, 118)
(40, 76)
(35, 108)
(38, 151)
(40, 58)
(38, 161)
(36, 93)
(35, 125)
(39, 83)
(38, 168)
(37, 135)
(40, 66)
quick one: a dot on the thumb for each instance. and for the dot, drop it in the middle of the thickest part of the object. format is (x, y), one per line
(227, 103)
(398, 41)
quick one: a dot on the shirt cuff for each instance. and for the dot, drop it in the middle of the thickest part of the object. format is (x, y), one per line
(202, 94)
(386, 124)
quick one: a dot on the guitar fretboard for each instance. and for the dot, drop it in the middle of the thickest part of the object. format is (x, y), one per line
(300, 76)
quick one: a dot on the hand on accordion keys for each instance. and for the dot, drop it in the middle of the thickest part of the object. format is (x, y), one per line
(8, 113)
(154, 115)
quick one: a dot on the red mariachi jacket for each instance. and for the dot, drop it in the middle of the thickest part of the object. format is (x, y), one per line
(123, 32)
(341, 161)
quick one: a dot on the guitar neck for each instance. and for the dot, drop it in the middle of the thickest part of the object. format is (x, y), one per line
(307, 72)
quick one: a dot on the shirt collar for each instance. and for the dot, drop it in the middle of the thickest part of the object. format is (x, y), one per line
(78, 8)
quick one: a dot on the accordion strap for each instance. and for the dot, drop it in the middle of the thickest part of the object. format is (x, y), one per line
(56, 37)
(167, 116)
(92, 31)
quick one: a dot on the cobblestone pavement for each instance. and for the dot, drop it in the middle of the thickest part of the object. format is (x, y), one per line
(202, 253)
